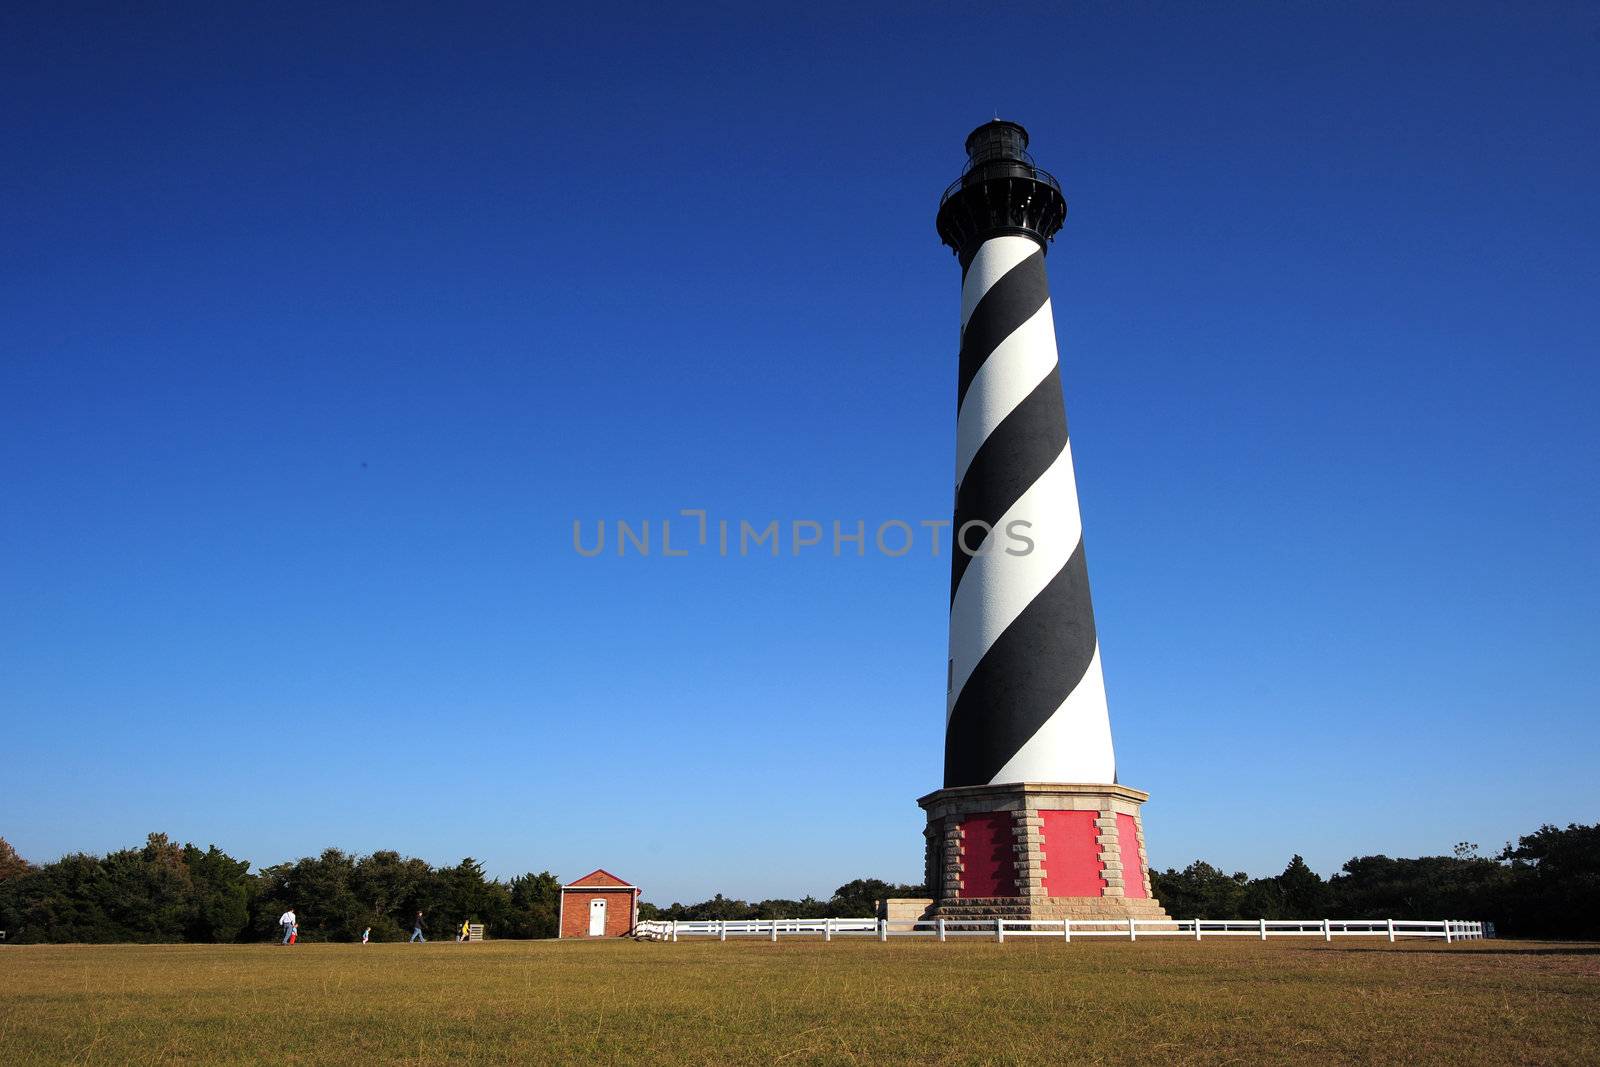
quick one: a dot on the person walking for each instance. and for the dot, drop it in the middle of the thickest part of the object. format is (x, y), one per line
(290, 926)
(366, 935)
(466, 930)
(416, 930)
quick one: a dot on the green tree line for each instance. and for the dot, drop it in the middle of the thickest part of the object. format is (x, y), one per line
(856, 899)
(169, 892)
(1543, 886)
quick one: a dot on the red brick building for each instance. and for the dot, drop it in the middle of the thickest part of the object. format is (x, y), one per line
(599, 905)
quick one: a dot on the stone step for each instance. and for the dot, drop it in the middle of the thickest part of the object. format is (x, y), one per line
(1112, 908)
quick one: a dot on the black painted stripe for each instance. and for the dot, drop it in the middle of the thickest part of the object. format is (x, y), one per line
(1011, 459)
(1023, 678)
(1010, 302)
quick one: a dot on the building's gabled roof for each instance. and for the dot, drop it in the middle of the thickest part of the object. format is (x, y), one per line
(599, 879)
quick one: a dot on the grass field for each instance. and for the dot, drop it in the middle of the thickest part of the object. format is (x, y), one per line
(803, 1002)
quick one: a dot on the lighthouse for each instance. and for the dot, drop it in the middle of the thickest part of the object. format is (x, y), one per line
(1031, 821)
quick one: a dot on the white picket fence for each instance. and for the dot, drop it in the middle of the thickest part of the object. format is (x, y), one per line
(1002, 930)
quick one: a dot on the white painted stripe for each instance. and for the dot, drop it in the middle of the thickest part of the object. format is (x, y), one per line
(1012, 371)
(1074, 744)
(996, 587)
(994, 259)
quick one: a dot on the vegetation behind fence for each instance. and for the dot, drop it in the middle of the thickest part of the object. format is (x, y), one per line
(1543, 886)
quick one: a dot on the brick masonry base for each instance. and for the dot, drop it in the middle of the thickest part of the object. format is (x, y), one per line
(1124, 892)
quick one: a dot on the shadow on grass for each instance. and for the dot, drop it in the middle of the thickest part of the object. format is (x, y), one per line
(1584, 949)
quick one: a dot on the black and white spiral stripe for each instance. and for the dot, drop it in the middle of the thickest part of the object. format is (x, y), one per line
(1027, 701)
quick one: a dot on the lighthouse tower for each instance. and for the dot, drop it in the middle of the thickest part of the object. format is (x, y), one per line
(1031, 822)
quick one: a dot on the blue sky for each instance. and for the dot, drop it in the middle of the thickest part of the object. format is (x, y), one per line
(319, 328)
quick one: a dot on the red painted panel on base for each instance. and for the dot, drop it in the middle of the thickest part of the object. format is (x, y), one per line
(1132, 869)
(989, 860)
(1072, 866)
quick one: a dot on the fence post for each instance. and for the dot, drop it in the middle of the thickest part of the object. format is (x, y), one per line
(774, 929)
(1197, 929)
(1327, 930)
(1263, 929)
(1133, 933)
(722, 929)
(1000, 931)
(1447, 931)
(883, 929)
(1066, 930)
(1391, 931)
(674, 931)
(939, 924)
(827, 929)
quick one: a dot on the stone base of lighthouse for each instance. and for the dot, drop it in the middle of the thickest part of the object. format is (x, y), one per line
(1038, 850)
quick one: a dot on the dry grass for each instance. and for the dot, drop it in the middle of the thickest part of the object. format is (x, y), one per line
(803, 1002)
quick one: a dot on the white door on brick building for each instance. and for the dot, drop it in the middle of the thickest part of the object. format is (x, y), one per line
(597, 917)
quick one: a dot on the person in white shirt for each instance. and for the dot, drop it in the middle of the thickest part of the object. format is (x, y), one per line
(289, 923)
